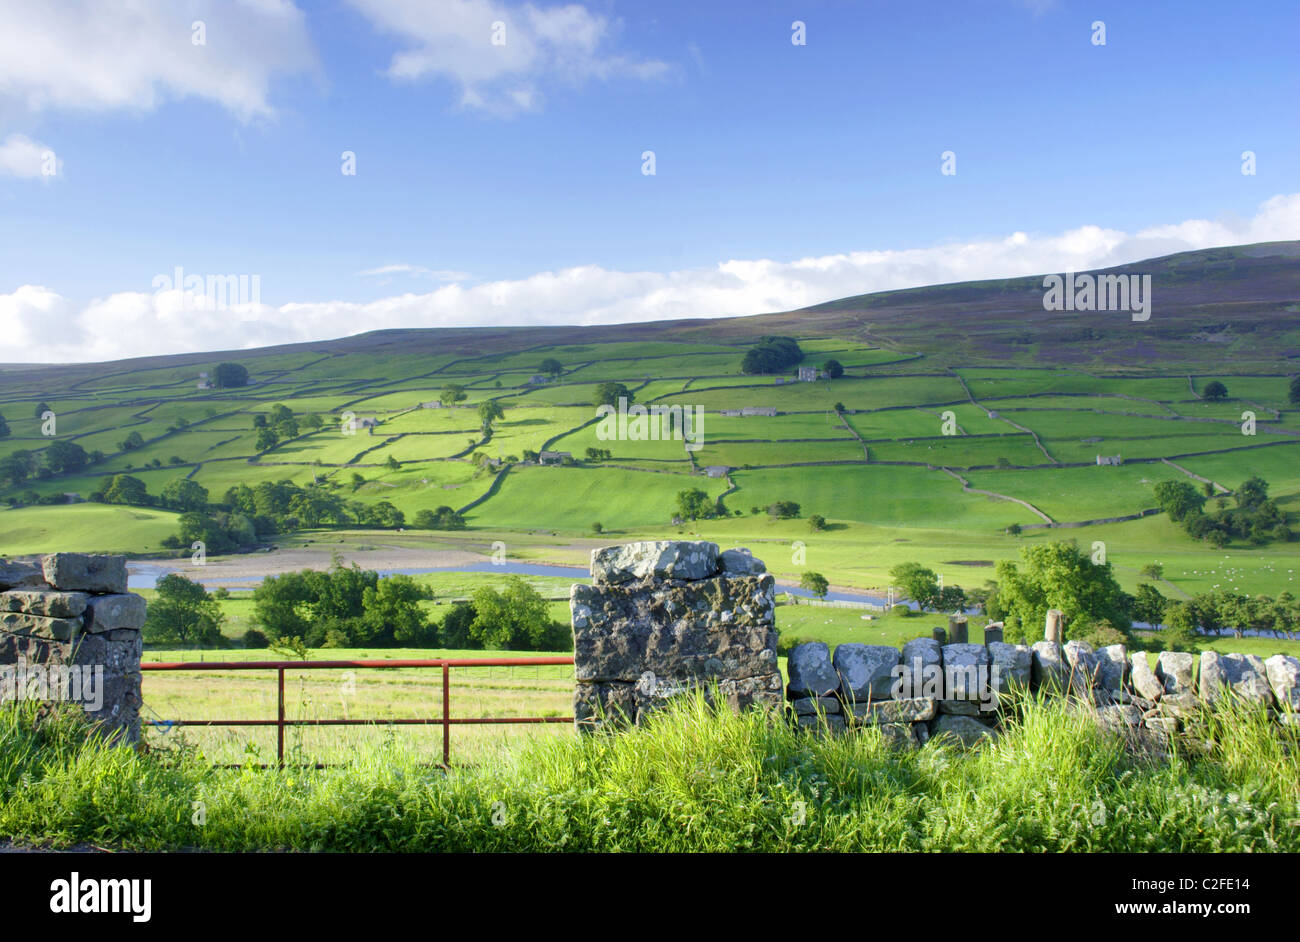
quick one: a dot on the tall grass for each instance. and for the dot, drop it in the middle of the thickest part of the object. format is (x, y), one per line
(692, 780)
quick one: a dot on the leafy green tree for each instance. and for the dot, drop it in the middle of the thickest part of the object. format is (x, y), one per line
(184, 494)
(267, 439)
(42, 408)
(1056, 575)
(392, 614)
(489, 410)
(815, 583)
(608, 394)
(451, 394)
(4, 427)
(1180, 632)
(125, 489)
(918, 583)
(230, 376)
(454, 631)
(515, 618)
(1178, 499)
(1153, 571)
(61, 457)
(694, 504)
(833, 369)
(1149, 604)
(1215, 392)
(1252, 492)
(15, 467)
(183, 612)
(393, 464)
(816, 522)
(783, 509)
(551, 367)
(771, 355)
(1293, 394)
(443, 518)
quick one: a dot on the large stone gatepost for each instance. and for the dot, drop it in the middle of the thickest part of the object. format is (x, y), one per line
(70, 631)
(662, 618)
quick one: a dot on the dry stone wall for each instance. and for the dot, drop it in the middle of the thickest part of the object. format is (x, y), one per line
(931, 689)
(69, 630)
(662, 618)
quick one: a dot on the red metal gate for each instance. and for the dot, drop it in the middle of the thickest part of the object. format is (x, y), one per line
(446, 721)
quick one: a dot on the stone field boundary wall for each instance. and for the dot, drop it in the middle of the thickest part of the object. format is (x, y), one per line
(70, 631)
(663, 617)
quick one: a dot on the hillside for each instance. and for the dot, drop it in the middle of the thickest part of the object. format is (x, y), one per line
(1033, 396)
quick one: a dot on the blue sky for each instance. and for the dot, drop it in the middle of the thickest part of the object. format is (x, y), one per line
(482, 168)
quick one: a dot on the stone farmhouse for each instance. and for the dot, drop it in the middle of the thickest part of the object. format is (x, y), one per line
(717, 470)
(554, 457)
(1109, 459)
(751, 410)
(809, 374)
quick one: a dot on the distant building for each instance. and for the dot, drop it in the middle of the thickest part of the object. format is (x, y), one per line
(808, 374)
(554, 457)
(758, 410)
(717, 470)
(1109, 459)
(537, 380)
(204, 382)
(435, 404)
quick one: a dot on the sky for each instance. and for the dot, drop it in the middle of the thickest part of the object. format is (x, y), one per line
(501, 155)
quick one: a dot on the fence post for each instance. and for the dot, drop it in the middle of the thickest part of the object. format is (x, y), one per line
(446, 715)
(279, 729)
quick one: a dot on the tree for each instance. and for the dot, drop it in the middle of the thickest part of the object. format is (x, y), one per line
(392, 614)
(515, 618)
(15, 467)
(488, 412)
(608, 394)
(1215, 392)
(839, 408)
(783, 509)
(815, 583)
(1178, 499)
(1252, 492)
(918, 583)
(1056, 575)
(230, 376)
(63, 456)
(266, 439)
(833, 369)
(817, 522)
(694, 504)
(1180, 628)
(42, 408)
(452, 394)
(312, 421)
(1153, 571)
(551, 367)
(183, 612)
(1149, 604)
(184, 494)
(125, 489)
(1293, 395)
(597, 527)
(393, 464)
(444, 518)
(4, 427)
(771, 355)
(1015, 529)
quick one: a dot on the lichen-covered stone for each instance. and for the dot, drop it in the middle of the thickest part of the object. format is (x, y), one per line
(85, 572)
(807, 706)
(866, 671)
(1012, 666)
(719, 627)
(21, 574)
(57, 629)
(913, 710)
(1176, 671)
(1119, 715)
(111, 612)
(49, 604)
(1241, 675)
(811, 672)
(1283, 673)
(1083, 665)
(965, 671)
(963, 729)
(654, 560)
(1143, 678)
(1051, 673)
(1112, 668)
(740, 562)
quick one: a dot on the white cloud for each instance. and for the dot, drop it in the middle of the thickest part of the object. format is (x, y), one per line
(453, 39)
(50, 328)
(386, 272)
(93, 55)
(22, 157)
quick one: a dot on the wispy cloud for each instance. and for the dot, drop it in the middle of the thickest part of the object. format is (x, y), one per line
(502, 56)
(414, 271)
(22, 157)
(51, 328)
(92, 55)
